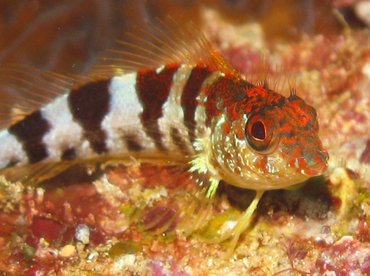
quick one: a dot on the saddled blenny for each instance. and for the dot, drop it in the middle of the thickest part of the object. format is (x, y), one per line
(170, 96)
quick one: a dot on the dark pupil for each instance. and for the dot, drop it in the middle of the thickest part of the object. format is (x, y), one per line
(258, 130)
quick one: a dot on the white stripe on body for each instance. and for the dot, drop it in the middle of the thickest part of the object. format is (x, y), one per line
(173, 115)
(11, 150)
(123, 118)
(65, 133)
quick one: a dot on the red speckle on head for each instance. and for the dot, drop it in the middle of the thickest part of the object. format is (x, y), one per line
(226, 127)
(262, 164)
(301, 111)
(237, 97)
(286, 128)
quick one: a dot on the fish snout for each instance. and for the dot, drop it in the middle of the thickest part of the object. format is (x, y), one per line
(316, 164)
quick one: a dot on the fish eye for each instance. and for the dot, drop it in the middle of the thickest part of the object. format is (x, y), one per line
(259, 132)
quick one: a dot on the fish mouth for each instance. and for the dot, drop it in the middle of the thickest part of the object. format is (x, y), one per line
(314, 170)
(314, 165)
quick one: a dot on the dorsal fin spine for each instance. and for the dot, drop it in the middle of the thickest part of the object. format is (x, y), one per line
(163, 42)
(26, 89)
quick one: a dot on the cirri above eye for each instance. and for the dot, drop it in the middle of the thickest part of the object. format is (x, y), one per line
(259, 132)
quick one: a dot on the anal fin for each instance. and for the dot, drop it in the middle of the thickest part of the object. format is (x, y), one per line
(33, 174)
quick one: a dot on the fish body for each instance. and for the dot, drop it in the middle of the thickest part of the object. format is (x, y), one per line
(223, 126)
(168, 97)
(145, 114)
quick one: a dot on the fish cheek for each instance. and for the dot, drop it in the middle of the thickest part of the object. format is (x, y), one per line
(238, 128)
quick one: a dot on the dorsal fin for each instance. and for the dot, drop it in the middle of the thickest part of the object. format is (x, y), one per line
(24, 89)
(162, 42)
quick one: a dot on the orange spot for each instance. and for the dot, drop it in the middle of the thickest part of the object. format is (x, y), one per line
(262, 164)
(226, 127)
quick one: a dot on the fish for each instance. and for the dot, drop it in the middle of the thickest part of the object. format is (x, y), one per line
(163, 100)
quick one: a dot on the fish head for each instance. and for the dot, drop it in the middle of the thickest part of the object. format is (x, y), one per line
(271, 144)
